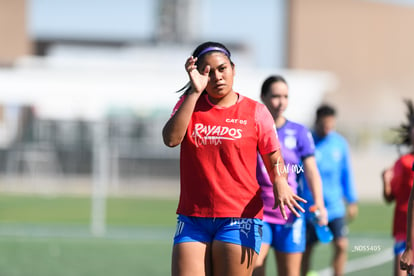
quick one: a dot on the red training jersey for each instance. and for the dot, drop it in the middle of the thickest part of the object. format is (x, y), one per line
(401, 184)
(218, 159)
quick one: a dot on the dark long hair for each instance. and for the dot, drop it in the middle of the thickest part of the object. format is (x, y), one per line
(404, 130)
(269, 81)
(201, 51)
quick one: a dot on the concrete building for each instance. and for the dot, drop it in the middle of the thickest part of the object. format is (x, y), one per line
(367, 45)
(14, 37)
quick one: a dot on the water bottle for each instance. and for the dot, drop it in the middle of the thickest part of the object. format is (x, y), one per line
(322, 231)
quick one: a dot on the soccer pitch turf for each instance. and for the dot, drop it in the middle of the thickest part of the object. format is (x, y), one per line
(51, 236)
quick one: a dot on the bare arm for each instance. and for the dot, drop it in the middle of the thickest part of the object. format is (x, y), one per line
(352, 211)
(387, 175)
(175, 128)
(284, 195)
(314, 181)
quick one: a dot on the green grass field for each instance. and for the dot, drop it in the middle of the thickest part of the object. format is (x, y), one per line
(50, 236)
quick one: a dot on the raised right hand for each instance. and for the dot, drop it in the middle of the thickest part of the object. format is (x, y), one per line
(198, 79)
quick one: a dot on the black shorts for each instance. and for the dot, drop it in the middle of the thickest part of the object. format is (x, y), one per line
(338, 227)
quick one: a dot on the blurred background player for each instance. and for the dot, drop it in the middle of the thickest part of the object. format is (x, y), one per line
(397, 184)
(333, 161)
(219, 132)
(287, 238)
(407, 258)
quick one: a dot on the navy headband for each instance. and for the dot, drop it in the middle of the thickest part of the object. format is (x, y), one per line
(210, 49)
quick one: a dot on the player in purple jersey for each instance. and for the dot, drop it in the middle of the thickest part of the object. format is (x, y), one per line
(286, 237)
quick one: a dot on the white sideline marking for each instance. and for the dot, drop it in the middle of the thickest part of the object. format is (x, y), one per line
(363, 263)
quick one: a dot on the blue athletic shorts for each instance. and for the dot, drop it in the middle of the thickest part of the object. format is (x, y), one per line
(242, 231)
(338, 227)
(399, 247)
(287, 238)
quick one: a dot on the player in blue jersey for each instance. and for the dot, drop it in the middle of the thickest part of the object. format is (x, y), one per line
(286, 237)
(333, 160)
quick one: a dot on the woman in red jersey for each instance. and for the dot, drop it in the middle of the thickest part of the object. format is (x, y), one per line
(407, 258)
(398, 182)
(219, 132)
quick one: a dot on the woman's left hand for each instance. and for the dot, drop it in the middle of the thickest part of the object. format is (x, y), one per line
(284, 196)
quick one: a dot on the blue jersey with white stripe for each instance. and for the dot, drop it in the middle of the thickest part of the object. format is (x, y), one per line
(333, 161)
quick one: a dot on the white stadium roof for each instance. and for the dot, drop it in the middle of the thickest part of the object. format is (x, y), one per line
(85, 84)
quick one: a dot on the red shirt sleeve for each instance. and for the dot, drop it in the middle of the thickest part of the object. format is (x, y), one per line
(397, 178)
(178, 104)
(268, 140)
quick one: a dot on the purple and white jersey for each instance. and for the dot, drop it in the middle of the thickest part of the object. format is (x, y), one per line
(296, 144)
